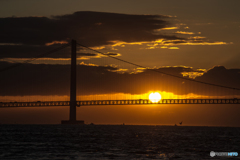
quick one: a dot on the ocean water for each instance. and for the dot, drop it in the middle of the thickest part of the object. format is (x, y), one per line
(75, 142)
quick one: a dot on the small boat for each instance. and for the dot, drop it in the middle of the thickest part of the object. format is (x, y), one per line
(175, 124)
(91, 124)
(123, 124)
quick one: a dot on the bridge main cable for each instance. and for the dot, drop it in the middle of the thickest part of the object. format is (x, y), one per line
(34, 58)
(216, 85)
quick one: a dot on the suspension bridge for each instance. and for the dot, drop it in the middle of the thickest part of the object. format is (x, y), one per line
(215, 93)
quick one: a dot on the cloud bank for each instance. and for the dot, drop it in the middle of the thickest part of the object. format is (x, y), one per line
(23, 37)
(45, 79)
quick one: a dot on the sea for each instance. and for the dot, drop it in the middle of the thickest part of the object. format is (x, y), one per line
(80, 142)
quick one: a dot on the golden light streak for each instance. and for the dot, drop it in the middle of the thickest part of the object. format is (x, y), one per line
(191, 42)
(205, 43)
(173, 48)
(83, 58)
(164, 47)
(114, 96)
(169, 28)
(182, 32)
(141, 68)
(197, 37)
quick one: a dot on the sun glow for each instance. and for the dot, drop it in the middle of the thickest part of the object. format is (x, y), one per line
(155, 97)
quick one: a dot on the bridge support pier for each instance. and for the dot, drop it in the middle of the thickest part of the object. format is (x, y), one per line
(72, 115)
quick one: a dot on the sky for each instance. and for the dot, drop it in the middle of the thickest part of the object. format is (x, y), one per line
(194, 39)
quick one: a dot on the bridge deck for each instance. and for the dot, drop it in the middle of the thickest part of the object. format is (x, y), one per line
(120, 102)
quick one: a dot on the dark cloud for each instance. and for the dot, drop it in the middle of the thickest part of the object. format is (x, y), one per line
(43, 79)
(89, 28)
(28, 51)
(222, 76)
(87, 54)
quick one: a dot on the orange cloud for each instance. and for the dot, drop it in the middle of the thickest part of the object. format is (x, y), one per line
(161, 43)
(169, 28)
(89, 64)
(173, 48)
(192, 75)
(182, 32)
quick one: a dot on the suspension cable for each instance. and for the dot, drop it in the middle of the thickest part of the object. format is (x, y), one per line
(34, 58)
(216, 85)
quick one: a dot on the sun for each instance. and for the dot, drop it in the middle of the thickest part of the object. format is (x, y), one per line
(155, 97)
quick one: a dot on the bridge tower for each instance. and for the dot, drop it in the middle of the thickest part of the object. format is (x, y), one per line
(73, 82)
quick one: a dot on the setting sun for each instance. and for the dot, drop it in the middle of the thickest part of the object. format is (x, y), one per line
(155, 97)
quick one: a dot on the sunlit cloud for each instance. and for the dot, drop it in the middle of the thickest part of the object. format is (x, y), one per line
(205, 43)
(192, 75)
(88, 64)
(120, 43)
(119, 70)
(83, 58)
(182, 32)
(124, 44)
(164, 47)
(173, 48)
(98, 47)
(169, 28)
(112, 54)
(163, 43)
(197, 37)
(85, 55)
(192, 41)
(202, 70)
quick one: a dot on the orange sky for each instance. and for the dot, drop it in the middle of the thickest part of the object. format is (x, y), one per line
(199, 40)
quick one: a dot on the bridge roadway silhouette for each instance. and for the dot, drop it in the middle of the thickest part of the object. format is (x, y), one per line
(120, 102)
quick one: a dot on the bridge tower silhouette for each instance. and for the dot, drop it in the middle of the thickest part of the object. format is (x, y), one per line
(73, 81)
